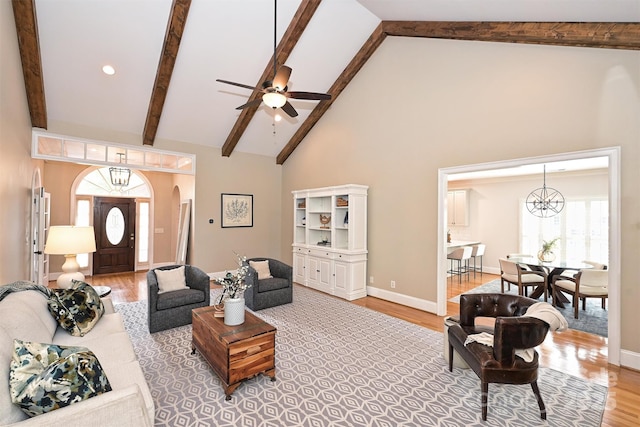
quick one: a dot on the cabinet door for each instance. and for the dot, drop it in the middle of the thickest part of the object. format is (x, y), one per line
(299, 268)
(457, 207)
(313, 272)
(451, 208)
(341, 277)
(325, 275)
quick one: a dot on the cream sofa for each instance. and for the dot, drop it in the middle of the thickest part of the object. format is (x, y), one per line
(24, 315)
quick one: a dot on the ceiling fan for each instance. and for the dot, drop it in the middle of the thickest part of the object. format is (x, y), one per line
(274, 92)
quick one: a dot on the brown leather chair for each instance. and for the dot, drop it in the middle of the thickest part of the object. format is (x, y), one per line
(499, 364)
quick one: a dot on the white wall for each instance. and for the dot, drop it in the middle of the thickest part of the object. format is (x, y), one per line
(494, 207)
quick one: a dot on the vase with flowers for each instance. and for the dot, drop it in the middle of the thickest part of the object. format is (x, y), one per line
(232, 296)
(546, 253)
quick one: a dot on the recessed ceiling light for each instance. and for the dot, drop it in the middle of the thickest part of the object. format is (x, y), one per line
(108, 70)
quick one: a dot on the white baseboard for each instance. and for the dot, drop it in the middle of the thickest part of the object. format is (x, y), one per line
(630, 359)
(409, 301)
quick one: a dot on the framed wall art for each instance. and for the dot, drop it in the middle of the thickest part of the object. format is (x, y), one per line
(236, 210)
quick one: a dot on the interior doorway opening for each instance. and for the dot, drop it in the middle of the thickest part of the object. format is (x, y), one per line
(613, 157)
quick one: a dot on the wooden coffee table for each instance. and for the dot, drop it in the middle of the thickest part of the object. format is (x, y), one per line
(235, 353)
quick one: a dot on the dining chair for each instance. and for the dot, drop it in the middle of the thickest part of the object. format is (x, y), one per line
(588, 283)
(461, 255)
(511, 273)
(477, 252)
(594, 265)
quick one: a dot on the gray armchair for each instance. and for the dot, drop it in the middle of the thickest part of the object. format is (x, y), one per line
(172, 309)
(267, 293)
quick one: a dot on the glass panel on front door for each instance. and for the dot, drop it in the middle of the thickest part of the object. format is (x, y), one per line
(114, 225)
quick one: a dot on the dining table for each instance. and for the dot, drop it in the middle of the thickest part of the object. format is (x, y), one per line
(552, 269)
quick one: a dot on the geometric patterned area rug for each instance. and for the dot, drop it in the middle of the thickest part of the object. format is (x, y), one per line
(339, 364)
(594, 319)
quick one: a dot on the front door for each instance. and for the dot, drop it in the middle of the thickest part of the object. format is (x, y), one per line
(114, 224)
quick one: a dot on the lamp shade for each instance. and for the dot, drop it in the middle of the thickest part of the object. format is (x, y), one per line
(274, 99)
(69, 239)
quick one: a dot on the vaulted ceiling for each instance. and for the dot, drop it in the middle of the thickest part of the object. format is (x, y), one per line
(168, 54)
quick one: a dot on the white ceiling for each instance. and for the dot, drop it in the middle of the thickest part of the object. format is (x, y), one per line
(233, 40)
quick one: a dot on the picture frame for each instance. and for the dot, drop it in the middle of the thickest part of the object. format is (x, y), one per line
(236, 210)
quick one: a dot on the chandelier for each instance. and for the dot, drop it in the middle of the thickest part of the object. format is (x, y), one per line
(119, 175)
(545, 202)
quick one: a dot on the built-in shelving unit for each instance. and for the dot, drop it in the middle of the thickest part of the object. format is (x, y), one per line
(330, 239)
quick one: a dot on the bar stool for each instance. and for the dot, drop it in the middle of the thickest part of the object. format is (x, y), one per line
(477, 252)
(461, 255)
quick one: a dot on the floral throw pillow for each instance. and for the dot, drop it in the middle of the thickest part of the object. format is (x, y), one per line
(78, 309)
(45, 377)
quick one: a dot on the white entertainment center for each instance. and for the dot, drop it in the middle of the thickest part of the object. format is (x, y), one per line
(330, 239)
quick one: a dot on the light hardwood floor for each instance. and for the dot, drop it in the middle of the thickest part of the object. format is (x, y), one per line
(577, 353)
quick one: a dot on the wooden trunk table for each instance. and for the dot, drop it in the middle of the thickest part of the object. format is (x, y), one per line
(235, 353)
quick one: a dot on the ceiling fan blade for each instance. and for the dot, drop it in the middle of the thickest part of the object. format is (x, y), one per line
(309, 95)
(253, 103)
(288, 108)
(282, 77)
(235, 84)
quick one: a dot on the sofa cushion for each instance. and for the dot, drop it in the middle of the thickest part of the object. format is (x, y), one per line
(262, 268)
(112, 350)
(45, 377)
(171, 280)
(23, 315)
(128, 374)
(78, 309)
(179, 298)
(272, 284)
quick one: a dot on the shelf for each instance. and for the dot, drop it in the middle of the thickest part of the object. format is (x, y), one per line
(339, 266)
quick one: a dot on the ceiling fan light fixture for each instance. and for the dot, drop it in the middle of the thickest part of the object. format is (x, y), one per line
(274, 99)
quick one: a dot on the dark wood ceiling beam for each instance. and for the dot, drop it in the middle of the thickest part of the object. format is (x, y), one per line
(291, 36)
(172, 38)
(610, 35)
(24, 13)
(368, 48)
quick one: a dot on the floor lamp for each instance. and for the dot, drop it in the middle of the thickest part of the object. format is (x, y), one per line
(69, 240)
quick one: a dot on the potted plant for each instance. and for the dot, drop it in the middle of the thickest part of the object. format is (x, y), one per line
(233, 287)
(546, 253)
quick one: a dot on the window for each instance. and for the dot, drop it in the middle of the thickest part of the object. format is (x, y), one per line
(582, 226)
(143, 232)
(98, 183)
(83, 211)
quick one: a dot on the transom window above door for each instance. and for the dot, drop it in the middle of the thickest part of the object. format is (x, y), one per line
(98, 183)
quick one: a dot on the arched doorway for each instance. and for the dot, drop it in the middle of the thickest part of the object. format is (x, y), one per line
(120, 227)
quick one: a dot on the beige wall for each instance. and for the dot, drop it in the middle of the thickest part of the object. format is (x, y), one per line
(212, 247)
(16, 166)
(419, 105)
(58, 179)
